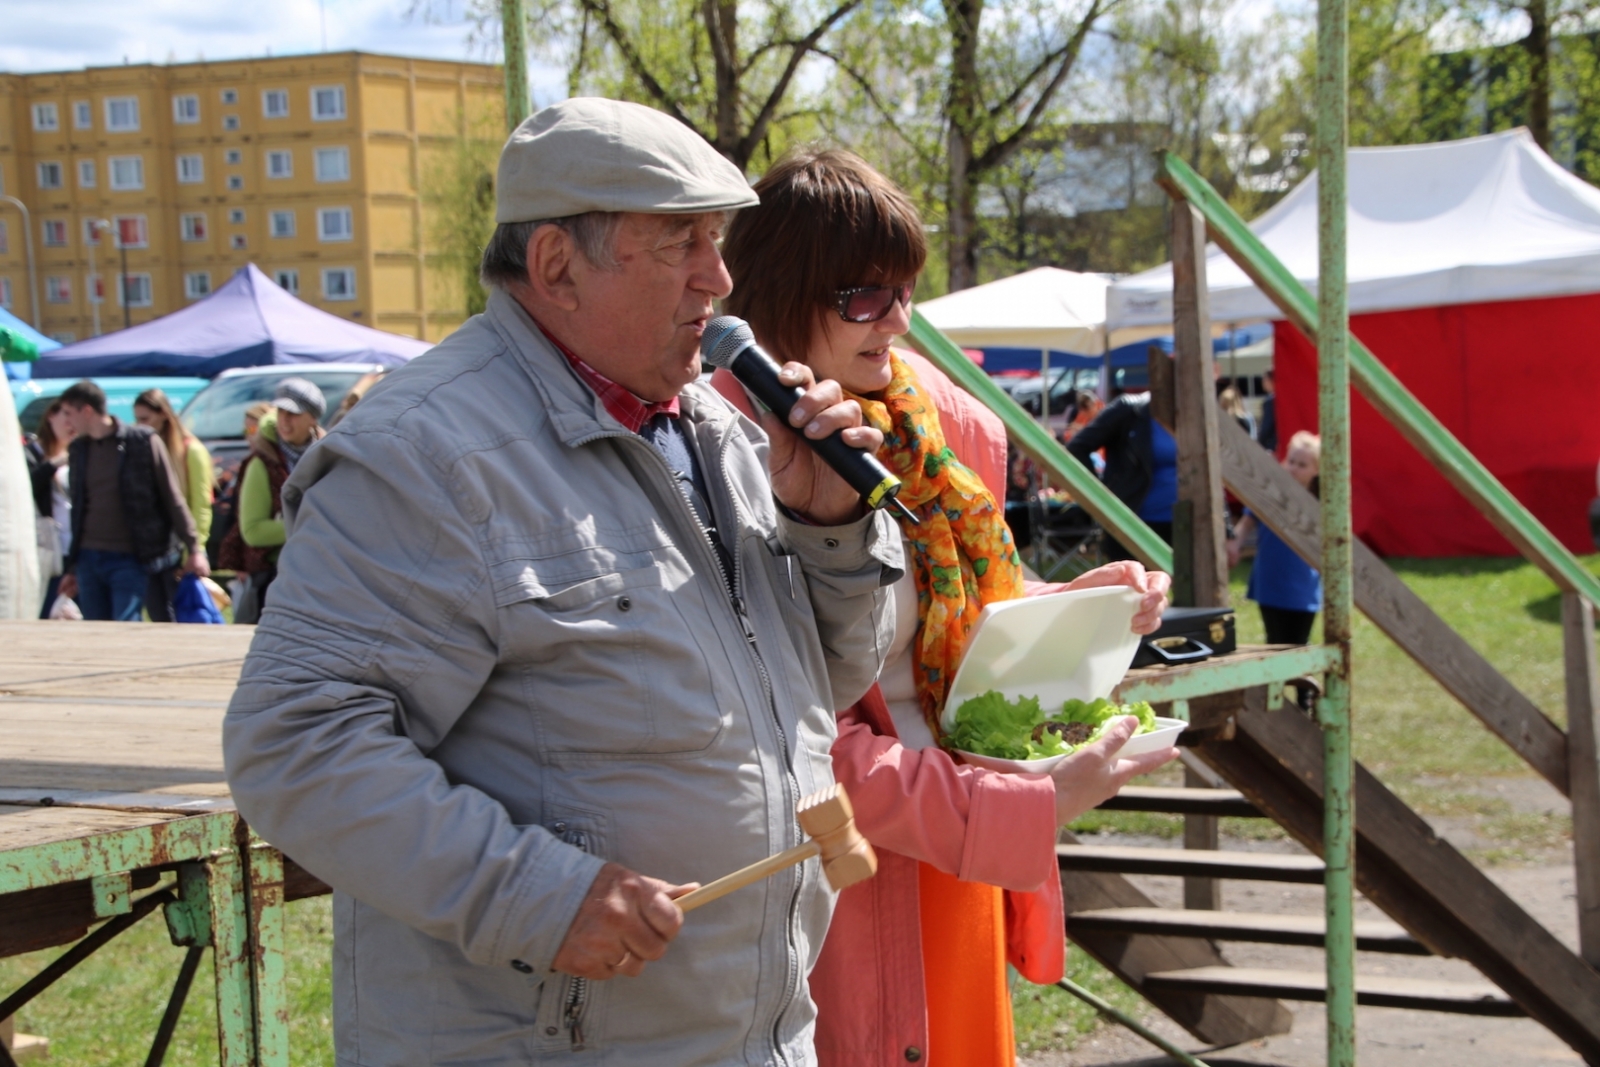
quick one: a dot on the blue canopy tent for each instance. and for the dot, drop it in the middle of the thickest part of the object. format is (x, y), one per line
(249, 322)
(20, 370)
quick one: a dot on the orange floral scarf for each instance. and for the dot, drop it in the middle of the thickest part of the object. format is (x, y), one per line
(962, 554)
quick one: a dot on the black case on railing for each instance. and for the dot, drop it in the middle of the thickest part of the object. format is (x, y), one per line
(1188, 635)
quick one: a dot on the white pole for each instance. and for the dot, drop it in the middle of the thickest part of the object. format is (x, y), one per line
(27, 244)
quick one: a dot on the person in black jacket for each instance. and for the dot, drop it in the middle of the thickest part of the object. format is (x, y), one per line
(129, 519)
(1141, 463)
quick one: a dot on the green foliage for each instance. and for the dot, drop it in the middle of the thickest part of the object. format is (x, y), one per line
(458, 202)
(1048, 1018)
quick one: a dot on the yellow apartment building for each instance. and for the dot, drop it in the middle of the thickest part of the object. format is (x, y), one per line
(311, 166)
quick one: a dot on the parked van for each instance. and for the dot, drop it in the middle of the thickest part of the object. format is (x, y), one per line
(33, 396)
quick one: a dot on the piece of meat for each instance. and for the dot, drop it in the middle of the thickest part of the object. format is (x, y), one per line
(1072, 733)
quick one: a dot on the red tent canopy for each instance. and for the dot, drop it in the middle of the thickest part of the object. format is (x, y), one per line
(1517, 381)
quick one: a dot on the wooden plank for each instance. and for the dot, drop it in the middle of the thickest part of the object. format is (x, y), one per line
(1417, 878)
(1217, 1020)
(1372, 935)
(1181, 801)
(1199, 468)
(24, 827)
(1373, 990)
(1294, 515)
(1200, 832)
(1253, 866)
(1583, 756)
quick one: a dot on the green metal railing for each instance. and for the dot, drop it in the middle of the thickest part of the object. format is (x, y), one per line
(1036, 442)
(1379, 385)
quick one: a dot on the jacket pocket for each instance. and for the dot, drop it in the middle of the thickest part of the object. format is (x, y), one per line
(611, 662)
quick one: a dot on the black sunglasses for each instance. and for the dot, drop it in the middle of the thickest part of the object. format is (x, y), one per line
(869, 303)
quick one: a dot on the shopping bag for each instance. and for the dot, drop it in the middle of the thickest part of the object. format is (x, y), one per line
(193, 604)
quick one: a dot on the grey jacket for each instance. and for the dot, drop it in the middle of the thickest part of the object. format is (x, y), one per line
(500, 651)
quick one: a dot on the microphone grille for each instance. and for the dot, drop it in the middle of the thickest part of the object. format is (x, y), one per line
(724, 338)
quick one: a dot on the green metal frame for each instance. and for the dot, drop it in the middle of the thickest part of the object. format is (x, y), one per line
(1379, 385)
(1225, 675)
(1037, 443)
(229, 900)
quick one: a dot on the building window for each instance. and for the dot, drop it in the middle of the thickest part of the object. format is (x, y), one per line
(49, 175)
(132, 231)
(127, 172)
(333, 164)
(197, 283)
(45, 117)
(288, 281)
(230, 122)
(235, 157)
(338, 283)
(186, 109)
(122, 114)
(275, 103)
(280, 164)
(191, 169)
(283, 224)
(82, 115)
(230, 96)
(235, 181)
(86, 175)
(192, 227)
(237, 240)
(91, 231)
(97, 289)
(5, 293)
(327, 103)
(57, 290)
(236, 216)
(55, 233)
(334, 224)
(135, 290)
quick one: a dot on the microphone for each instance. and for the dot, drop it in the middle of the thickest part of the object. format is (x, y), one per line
(728, 342)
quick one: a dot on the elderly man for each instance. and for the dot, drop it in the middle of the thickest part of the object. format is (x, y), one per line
(559, 633)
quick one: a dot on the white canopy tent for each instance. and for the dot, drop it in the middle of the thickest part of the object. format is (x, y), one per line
(1463, 222)
(1044, 308)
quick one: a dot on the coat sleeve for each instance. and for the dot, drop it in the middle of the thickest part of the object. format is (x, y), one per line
(1104, 428)
(380, 632)
(976, 824)
(257, 525)
(201, 479)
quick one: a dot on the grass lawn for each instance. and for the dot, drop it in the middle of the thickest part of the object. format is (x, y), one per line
(1407, 730)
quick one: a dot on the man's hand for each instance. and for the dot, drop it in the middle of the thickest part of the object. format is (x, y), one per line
(1235, 547)
(197, 564)
(1092, 775)
(68, 587)
(625, 920)
(801, 481)
(1151, 585)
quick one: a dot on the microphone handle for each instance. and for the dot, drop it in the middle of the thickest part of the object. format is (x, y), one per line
(859, 468)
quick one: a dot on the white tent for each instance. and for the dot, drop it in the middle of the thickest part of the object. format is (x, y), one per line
(1462, 222)
(1041, 308)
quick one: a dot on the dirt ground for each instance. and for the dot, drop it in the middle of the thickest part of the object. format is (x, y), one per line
(1386, 1037)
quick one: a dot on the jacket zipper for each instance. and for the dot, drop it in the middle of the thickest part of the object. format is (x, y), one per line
(791, 786)
(578, 988)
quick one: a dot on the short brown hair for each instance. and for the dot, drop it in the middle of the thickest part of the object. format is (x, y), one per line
(827, 221)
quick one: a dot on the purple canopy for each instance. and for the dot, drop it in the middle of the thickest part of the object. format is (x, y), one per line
(249, 322)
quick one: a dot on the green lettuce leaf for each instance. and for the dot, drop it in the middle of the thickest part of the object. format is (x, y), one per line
(991, 725)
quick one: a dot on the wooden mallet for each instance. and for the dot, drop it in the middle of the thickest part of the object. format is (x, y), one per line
(830, 823)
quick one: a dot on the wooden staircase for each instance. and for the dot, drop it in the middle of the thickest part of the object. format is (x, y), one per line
(1438, 903)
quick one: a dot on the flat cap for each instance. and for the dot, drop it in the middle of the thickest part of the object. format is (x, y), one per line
(590, 154)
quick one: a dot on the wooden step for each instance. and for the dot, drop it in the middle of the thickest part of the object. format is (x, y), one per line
(1180, 801)
(1374, 990)
(1194, 863)
(1372, 935)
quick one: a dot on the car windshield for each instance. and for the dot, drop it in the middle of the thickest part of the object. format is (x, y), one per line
(218, 410)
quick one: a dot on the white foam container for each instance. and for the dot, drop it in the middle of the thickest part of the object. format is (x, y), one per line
(1059, 647)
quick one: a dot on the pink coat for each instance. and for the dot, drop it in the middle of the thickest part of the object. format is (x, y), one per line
(920, 805)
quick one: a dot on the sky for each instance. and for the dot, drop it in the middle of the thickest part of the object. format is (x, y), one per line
(48, 35)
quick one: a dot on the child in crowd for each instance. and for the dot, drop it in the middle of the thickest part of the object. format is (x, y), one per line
(1286, 588)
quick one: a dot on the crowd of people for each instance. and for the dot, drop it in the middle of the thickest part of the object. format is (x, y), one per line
(124, 512)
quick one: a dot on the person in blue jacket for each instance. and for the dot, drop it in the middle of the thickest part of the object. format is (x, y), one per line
(1287, 589)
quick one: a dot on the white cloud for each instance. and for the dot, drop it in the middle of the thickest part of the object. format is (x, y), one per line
(46, 35)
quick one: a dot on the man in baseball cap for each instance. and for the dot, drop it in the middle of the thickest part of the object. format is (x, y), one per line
(559, 634)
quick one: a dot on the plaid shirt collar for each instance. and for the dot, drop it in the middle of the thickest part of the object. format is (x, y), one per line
(622, 404)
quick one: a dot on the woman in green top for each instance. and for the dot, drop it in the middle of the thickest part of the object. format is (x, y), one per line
(196, 480)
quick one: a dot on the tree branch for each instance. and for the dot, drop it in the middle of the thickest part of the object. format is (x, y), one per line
(797, 53)
(601, 10)
(878, 104)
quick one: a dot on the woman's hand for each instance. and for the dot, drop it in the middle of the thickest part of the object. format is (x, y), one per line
(1152, 587)
(1092, 775)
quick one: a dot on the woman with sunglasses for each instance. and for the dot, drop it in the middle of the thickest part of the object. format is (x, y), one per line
(913, 969)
